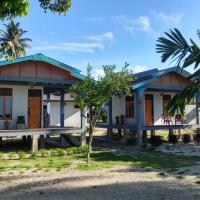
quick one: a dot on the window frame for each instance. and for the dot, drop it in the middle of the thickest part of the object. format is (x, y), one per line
(130, 106)
(4, 93)
(164, 99)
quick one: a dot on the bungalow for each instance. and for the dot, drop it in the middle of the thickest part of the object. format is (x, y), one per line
(145, 109)
(35, 100)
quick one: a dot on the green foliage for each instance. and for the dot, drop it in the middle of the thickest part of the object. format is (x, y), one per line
(10, 8)
(16, 8)
(21, 154)
(12, 43)
(56, 6)
(174, 46)
(91, 93)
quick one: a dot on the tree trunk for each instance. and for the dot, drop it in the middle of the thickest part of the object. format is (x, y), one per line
(90, 143)
(90, 136)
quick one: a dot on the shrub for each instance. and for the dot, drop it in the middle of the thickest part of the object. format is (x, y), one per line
(186, 138)
(11, 155)
(156, 140)
(197, 137)
(173, 138)
(53, 153)
(33, 155)
(44, 153)
(21, 154)
(1, 156)
(60, 152)
(131, 141)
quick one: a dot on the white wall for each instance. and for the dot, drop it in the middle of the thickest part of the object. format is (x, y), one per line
(72, 115)
(119, 108)
(19, 104)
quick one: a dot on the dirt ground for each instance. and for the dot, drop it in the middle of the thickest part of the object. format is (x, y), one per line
(103, 184)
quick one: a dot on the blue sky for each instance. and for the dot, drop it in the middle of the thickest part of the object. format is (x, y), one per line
(109, 31)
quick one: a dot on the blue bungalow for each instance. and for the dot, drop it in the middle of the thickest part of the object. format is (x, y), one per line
(144, 110)
(35, 100)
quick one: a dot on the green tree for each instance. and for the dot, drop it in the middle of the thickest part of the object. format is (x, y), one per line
(17, 8)
(12, 42)
(94, 95)
(175, 47)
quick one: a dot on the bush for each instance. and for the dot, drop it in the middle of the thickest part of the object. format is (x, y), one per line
(186, 138)
(21, 154)
(173, 138)
(197, 137)
(12, 156)
(131, 141)
(156, 140)
(44, 153)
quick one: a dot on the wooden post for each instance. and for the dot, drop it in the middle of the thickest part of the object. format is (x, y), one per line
(110, 120)
(139, 114)
(34, 143)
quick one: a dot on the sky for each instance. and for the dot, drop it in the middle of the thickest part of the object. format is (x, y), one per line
(103, 32)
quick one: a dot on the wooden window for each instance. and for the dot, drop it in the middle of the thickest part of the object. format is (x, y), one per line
(5, 103)
(166, 100)
(130, 109)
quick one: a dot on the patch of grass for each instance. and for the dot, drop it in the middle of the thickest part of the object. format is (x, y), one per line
(145, 159)
(87, 167)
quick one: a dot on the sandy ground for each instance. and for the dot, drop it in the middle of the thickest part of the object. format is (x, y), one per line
(119, 183)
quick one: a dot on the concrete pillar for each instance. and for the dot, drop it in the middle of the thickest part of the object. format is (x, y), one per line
(42, 142)
(35, 143)
(62, 108)
(110, 122)
(139, 114)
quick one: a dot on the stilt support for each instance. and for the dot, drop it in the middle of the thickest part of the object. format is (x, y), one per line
(35, 143)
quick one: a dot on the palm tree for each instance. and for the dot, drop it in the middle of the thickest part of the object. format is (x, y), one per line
(12, 43)
(175, 47)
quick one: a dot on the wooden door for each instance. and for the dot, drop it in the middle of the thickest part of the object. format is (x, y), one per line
(34, 108)
(149, 119)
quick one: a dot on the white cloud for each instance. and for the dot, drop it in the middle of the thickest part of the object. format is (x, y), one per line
(141, 23)
(73, 47)
(97, 73)
(101, 37)
(168, 18)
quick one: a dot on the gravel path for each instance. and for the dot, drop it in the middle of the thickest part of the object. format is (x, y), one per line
(119, 183)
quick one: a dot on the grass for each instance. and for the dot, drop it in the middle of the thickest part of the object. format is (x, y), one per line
(61, 159)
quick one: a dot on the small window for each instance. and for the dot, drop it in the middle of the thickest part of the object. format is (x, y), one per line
(5, 103)
(166, 100)
(130, 108)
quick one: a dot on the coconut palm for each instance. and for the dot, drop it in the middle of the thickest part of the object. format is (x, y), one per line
(175, 47)
(12, 43)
